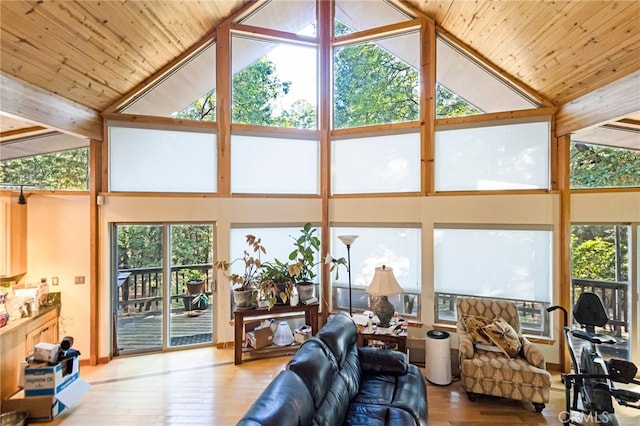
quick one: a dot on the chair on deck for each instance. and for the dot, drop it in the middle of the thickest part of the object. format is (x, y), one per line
(495, 359)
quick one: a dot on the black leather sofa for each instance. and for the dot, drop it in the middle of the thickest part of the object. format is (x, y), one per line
(331, 381)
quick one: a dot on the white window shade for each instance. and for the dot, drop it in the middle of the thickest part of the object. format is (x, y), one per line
(147, 160)
(272, 165)
(513, 156)
(379, 164)
(396, 247)
(501, 263)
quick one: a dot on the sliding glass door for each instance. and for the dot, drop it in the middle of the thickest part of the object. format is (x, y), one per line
(154, 308)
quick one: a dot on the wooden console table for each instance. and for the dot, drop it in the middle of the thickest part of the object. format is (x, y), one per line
(310, 316)
(397, 339)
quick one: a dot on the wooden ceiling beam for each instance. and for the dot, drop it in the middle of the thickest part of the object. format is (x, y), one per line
(615, 100)
(23, 100)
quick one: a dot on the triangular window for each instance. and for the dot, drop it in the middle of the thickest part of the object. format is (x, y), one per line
(475, 89)
(179, 89)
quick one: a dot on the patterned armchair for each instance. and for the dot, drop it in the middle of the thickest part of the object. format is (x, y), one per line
(495, 359)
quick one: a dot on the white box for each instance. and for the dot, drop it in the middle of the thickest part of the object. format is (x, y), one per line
(46, 352)
(43, 379)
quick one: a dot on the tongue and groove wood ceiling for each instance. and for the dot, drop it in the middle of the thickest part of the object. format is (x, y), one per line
(95, 52)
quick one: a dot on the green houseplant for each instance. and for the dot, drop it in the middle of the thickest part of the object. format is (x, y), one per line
(245, 284)
(304, 255)
(194, 279)
(276, 284)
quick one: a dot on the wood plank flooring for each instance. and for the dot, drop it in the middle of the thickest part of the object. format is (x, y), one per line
(203, 387)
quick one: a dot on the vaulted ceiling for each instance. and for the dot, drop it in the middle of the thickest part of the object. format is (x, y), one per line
(90, 54)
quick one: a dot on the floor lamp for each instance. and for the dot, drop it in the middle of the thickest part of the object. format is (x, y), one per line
(348, 240)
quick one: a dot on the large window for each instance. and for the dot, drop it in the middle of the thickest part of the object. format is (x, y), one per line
(398, 247)
(596, 166)
(512, 263)
(178, 93)
(600, 264)
(512, 156)
(274, 83)
(376, 164)
(274, 165)
(63, 170)
(162, 160)
(467, 87)
(377, 82)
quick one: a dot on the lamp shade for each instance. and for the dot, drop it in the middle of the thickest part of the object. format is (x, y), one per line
(384, 283)
(347, 239)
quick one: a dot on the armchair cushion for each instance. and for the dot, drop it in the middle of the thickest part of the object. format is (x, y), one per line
(474, 325)
(465, 344)
(532, 353)
(504, 336)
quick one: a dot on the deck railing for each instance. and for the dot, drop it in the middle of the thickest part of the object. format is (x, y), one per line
(141, 288)
(533, 315)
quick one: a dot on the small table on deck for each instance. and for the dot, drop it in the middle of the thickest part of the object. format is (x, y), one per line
(310, 316)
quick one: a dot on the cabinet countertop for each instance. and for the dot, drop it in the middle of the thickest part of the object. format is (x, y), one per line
(13, 325)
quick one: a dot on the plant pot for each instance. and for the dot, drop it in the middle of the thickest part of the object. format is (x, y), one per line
(243, 298)
(305, 290)
(195, 287)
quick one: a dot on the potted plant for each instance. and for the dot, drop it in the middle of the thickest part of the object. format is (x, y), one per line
(244, 284)
(276, 284)
(304, 255)
(194, 279)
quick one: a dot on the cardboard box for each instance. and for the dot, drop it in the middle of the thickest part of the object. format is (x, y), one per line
(46, 408)
(260, 337)
(300, 335)
(42, 379)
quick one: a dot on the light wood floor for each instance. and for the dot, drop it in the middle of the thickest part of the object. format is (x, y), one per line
(203, 387)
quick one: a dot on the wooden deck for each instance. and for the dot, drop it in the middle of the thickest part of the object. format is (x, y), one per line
(142, 331)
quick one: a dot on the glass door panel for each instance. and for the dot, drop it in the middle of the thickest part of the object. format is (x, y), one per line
(138, 288)
(600, 265)
(191, 286)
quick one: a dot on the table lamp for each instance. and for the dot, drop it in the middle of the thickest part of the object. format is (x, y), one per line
(384, 284)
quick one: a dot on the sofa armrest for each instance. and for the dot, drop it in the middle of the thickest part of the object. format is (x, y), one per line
(382, 361)
(532, 353)
(465, 344)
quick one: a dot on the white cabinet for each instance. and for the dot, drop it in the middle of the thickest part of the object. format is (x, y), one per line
(13, 237)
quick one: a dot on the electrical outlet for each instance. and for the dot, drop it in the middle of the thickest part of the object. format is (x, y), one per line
(79, 279)
(54, 280)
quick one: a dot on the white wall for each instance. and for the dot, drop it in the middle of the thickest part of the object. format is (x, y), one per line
(58, 246)
(58, 236)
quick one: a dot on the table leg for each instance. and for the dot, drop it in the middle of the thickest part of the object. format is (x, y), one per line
(237, 344)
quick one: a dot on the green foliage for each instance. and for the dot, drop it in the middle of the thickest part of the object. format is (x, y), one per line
(593, 259)
(594, 254)
(203, 109)
(593, 166)
(192, 274)
(275, 282)
(191, 244)
(448, 104)
(307, 247)
(139, 246)
(255, 89)
(373, 87)
(252, 263)
(65, 170)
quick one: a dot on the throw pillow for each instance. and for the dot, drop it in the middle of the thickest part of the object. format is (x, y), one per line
(474, 325)
(504, 336)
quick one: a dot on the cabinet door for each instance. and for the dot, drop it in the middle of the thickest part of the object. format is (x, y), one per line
(47, 333)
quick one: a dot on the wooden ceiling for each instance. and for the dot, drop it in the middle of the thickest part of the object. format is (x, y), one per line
(93, 53)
